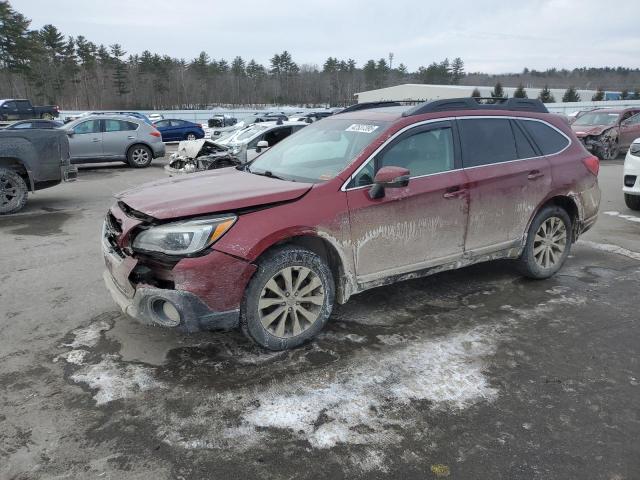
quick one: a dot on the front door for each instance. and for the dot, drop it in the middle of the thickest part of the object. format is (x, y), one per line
(508, 177)
(86, 141)
(417, 226)
(629, 130)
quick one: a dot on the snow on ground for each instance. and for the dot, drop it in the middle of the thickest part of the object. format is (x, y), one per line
(629, 218)
(112, 380)
(88, 336)
(360, 402)
(606, 247)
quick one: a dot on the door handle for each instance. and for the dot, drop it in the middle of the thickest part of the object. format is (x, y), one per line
(454, 192)
(95, 140)
(131, 137)
(534, 174)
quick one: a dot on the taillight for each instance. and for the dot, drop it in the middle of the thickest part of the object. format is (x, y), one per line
(155, 133)
(593, 164)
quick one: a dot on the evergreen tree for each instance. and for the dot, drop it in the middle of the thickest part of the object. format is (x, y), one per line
(624, 95)
(596, 97)
(520, 92)
(546, 96)
(570, 95)
(476, 93)
(17, 44)
(120, 77)
(498, 91)
(457, 70)
(636, 93)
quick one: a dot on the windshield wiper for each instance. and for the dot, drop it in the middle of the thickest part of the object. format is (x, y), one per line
(268, 173)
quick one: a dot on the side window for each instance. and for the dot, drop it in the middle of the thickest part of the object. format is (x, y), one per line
(548, 139)
(90, 126)
(626, 115)
(24, 125)
(177, 123)
(635, 120)
(113, 125)
(11, 105)
(23, 105)
(523, 146)
(423, 153)
(486, 141)
(253, 143)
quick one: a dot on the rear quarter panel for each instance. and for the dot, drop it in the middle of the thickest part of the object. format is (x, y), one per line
(42, 152)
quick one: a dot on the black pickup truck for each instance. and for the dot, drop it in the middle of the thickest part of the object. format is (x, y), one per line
(20, 109)
(30, 160)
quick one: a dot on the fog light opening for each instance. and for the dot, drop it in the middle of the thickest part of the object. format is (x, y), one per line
(165, 313)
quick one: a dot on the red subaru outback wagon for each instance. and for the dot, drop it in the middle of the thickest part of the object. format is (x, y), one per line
(355, 201)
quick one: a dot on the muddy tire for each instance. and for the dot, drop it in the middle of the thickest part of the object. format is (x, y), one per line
(288, 300)
(139, 156)
(13, 192)
(632, 201)
(548, 243)
(47, 116)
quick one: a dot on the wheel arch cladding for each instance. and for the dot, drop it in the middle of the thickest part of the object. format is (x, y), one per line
(325, 250)
(19, 167)
(569, 205)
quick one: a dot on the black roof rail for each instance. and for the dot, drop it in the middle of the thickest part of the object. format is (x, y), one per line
(479, 103)
(367, 105)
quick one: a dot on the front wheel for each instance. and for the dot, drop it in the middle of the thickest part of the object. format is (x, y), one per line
(191, 136)
(139, 156)
(632, 201)
(548, 243)
(13, 191)
(288, 300)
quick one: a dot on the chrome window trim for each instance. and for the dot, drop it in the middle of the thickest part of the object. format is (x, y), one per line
(444, 119)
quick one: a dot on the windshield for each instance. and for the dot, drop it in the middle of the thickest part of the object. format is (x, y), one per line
(597, 118)
(317, 153)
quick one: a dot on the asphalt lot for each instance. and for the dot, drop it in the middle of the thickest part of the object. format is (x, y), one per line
(472, 374)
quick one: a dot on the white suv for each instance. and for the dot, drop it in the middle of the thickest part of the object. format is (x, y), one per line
(631, 185)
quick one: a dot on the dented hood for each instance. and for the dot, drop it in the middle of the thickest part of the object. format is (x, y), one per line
(583, 130)
(214, 191)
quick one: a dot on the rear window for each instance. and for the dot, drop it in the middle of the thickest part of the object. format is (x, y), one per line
(548, 139)
(524, 147)
(486, 141)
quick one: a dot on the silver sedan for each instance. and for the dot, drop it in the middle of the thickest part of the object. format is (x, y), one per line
(111, 138)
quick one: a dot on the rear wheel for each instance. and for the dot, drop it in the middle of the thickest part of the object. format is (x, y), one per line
(47, 116)
(548, 243)
(632, 201)
(191, 136)
(139, 156)
(289, 299)
(13, 191)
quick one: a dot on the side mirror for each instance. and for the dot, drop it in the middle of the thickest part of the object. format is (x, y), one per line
(389, 177)
(261, 144)
(70, 133)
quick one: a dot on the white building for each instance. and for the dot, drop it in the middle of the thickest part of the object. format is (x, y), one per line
(422, 92)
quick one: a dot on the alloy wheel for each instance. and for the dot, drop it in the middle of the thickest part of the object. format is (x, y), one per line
(550, 242)
(8, 190)
(140, 156)
(291, 301)
(191, 136)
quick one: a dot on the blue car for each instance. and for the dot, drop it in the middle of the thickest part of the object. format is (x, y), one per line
(173, 130)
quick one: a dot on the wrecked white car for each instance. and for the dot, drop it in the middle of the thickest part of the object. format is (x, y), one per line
(199, 155)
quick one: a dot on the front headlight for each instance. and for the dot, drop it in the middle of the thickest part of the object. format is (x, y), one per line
(183, 238)
(635, 149)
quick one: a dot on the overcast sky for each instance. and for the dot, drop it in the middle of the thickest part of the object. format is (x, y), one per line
(490, 36)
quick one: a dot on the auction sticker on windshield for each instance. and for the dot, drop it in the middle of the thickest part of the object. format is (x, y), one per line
(357, 127)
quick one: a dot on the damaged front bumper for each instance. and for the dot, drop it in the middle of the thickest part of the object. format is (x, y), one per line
(170, 308)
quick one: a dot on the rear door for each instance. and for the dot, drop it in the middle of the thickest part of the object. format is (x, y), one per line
(417, 226)
(86, 141)
(25, 110)
(164, 126)
(508, 179)
(117, 136)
